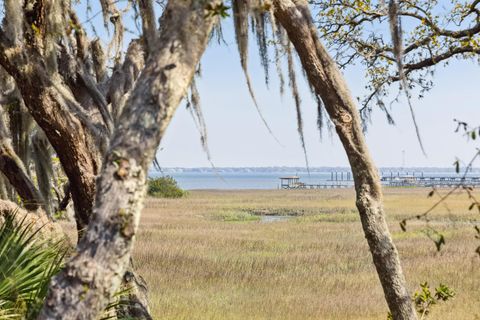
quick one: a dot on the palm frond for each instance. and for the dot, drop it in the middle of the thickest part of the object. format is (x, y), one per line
(27, 263)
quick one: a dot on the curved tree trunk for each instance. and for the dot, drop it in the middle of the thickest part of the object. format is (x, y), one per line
(44, 95)
(88, 281)
(328, 82)
(13, 169)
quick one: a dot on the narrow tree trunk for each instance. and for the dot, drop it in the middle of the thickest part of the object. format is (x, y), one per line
(328, 82)
(14, 170)
(88, 281)
(12, 167)
(3, 188)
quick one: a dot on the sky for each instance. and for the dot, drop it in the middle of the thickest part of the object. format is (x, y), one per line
(238, 138)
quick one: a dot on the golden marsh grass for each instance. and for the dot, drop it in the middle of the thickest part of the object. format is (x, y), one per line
(205, 257)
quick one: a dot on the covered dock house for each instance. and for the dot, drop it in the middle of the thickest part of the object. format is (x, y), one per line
(291, 182)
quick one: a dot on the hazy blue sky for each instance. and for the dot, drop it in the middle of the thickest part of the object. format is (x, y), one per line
(237, 136)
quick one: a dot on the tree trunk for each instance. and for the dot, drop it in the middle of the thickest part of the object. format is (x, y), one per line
(12, 167)
(88, 281)
(73, 143)
(135, 304)
(328, 82)
(70, 141)
(14, 170)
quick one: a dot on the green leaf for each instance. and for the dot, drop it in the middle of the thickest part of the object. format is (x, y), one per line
(27, 263)
(443, 292)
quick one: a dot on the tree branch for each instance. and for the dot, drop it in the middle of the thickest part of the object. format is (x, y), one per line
(103, 253)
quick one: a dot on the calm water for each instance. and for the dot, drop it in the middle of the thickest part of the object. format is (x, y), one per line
(259, 180)
(229, 180)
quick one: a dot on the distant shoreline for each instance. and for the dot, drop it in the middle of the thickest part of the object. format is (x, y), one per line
(269, 178)
(298, 169)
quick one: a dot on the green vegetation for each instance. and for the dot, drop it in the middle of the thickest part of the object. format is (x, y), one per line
(28, 261)
(26, 265)
(235, 216)
(425, 298)
(164, 187)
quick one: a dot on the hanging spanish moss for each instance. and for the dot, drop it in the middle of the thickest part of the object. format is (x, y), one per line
(241, 10)
(296, 97)
(217, 33)
(54, 30)
(112, 14)
(106, 10)
(193, 105)
(396, 33)
(14, 23)
(259, 25)
(20, 124)
(277, 34)
(320, 116)
(27, 125)
(42, 158)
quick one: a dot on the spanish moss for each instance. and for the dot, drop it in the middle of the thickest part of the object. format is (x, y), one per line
(296, 97)
(277, 34)
(241, 11)
(43, 167)
(396, 33)
(196, 111)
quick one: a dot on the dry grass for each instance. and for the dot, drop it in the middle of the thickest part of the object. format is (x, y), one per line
(204, 258)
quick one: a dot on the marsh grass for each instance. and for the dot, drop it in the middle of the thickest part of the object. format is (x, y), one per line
(231, 215)
(201, 263)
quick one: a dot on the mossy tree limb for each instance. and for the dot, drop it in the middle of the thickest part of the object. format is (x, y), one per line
(103, 253)
(325, 77)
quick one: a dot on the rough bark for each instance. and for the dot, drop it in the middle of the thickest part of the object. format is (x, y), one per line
(51, 104)
(70, 141)
(328, 82)
(135, 304)
(12, 167)
(149, 25)
(37, 219)
(88, 281)
(124, 77)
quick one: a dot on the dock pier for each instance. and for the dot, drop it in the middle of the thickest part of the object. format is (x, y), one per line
(337, 181)
(415, 179)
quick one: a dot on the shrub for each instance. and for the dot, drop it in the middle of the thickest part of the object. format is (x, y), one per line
(165, 187)
(27, 263)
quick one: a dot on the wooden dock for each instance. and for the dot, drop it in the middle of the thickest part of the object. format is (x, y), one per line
(293, 182)
(437, 182)
(344, 180)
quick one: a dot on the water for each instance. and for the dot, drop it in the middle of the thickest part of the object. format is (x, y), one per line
(234, 180)
(270, 179)
(270, 219)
